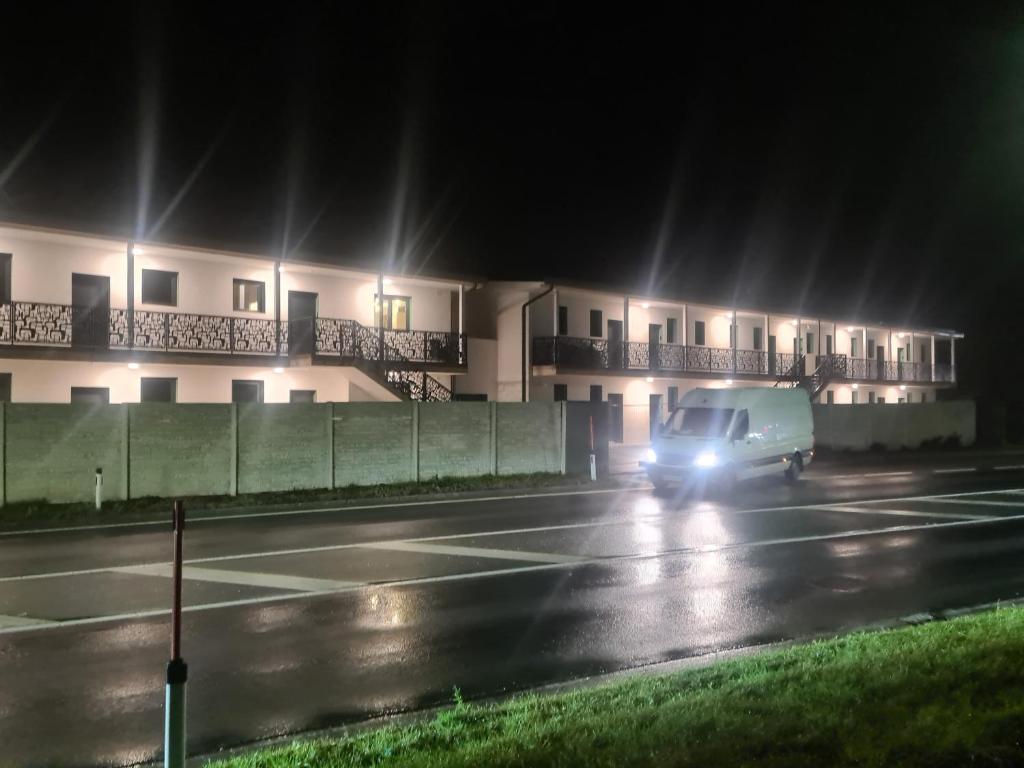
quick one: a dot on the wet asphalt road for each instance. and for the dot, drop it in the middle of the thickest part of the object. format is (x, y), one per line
(303, 621)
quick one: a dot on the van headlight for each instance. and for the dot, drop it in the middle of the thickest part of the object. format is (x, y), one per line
(706, 460)
(651, 457)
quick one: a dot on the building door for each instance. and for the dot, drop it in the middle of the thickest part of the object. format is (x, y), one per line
(771, 355)
(880, 356)
(301, 317)
(900, 358)
(655, 414)
(90, 311)
(615, 418)
(653, 345)
(615, 358)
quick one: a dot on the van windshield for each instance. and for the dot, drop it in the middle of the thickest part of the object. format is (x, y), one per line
(699, 422)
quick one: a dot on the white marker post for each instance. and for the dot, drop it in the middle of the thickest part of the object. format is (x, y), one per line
(99, 488)
(177, 670)
(593, 456)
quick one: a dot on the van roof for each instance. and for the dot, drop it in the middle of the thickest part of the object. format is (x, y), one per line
(743, 397)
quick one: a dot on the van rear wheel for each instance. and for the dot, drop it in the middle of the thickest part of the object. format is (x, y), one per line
(796, 466)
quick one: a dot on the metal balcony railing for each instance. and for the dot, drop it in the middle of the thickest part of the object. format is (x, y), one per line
(574, 353)
(34, 324)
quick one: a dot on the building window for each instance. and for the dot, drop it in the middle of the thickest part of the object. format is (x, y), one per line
(596, 323)
(853, 346)
(246, 391)
(5, 387)
(563, 321)
(811, 349)
(561, 393)
(924, 353)
(924, 397)
(90, 395)
(302, 396)
(830, 398)
(249, 296)
(698, 333)
(758, 339)
(853, 397)
(828, 343)
(5, 278)
(871, 349)
(396, 312)
(871, 397)
(881, 401)
(159, 287)
(158, 390)
(673, 398)
(670, 330)
(596, 393)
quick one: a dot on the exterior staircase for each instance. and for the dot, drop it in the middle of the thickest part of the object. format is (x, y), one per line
(829, 367)
(360, 346)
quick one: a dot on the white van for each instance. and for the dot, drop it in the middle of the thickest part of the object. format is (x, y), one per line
(733, 434)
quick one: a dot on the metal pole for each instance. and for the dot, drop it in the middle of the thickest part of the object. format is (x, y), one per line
(380, 316)
(99, 488)
(277, 309)
(177, 670)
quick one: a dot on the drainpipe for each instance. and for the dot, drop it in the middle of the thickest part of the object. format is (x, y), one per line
(525, 361)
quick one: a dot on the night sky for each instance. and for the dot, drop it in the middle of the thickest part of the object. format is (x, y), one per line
(845, 161)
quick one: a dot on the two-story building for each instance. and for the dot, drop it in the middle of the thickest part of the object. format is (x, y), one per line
(88, 318)
(640, 354)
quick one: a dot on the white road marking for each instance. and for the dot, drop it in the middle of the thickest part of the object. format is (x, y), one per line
(242, 578)
(701, 550)
(977, 502)
(498, 554)
(886, 474)
(1008, 467)
(905, 512)
(346, 508)
(858, 476)
(473, 534)
(22, 622)
(954, 471)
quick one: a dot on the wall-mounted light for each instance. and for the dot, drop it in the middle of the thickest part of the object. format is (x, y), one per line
(133, 366)
(728, 382)
(650, 379)
(901, 334)
(280, 268)
(850, 329)
(136, 250)
(279, 370)
(646, 305)
(387, 281)
(903, 387)
(855, 386)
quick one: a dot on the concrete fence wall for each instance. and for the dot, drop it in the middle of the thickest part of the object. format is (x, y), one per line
(858, 427)
(174, 449)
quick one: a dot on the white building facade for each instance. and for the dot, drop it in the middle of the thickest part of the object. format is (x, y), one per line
(88, 318)
(641, 354)
(104, 320)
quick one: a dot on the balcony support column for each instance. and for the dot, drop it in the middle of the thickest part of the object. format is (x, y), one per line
(130, 263)
(864, 342)
(764, 343)
(380, 316)
(625, 320)
(277, 308)
(952, 359)
(933, 357)
(734, 338)
(462, 325)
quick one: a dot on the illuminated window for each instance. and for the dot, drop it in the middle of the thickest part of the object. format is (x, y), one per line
(396, 312)
(249, 296)
(698, 333)
(670, 330)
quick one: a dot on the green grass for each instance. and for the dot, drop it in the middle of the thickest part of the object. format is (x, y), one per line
(941, 694)
(42, 514)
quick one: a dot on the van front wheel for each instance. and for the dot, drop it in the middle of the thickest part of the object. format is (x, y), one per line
(796, 466)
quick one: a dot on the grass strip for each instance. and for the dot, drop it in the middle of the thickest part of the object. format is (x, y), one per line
(43, 514)
(940, 694)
